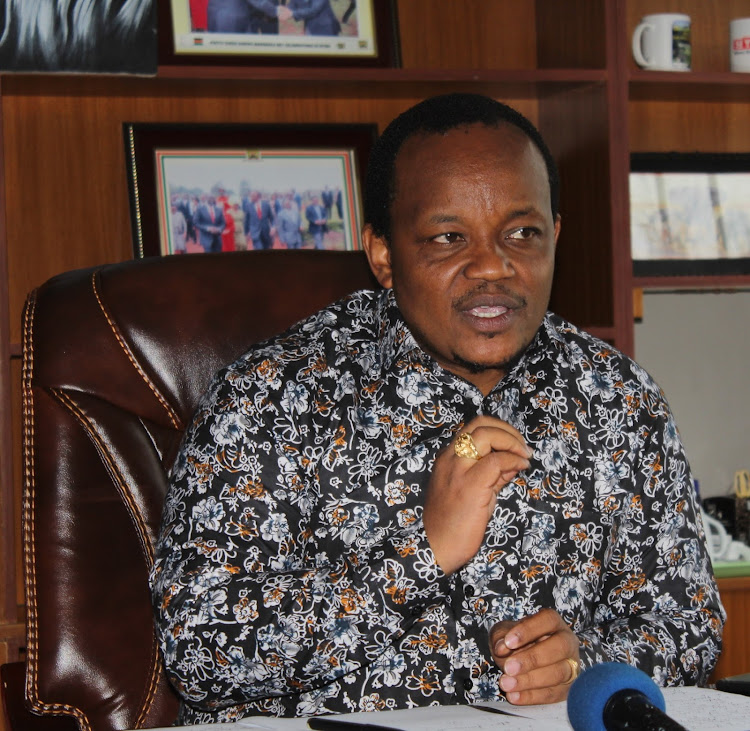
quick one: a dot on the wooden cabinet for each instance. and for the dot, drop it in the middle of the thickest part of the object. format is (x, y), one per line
(735, 656)
(566, 65)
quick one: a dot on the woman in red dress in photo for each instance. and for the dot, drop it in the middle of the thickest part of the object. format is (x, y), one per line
(199, 15)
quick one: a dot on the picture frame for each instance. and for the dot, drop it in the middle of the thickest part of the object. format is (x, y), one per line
(689, 214)
(367, 36)
(172, 166)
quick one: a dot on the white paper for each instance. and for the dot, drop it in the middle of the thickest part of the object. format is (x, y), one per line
(697, 709)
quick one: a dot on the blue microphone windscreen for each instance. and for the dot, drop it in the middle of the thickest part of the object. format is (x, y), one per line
(590, 692)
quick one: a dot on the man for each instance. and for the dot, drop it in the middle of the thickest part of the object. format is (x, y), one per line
(438, 492)
(258, 221)
(289, 224)
(209, 221)
(245, 16)
(318, 16)
(317, 221)
(326, 196)
(184, 205)
(179, 229)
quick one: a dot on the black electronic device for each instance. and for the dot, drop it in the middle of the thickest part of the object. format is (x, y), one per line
(735, 684)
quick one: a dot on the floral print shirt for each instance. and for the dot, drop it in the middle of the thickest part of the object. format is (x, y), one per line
(293, 575)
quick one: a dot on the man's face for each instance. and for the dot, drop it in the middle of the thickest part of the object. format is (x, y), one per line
(472, 247)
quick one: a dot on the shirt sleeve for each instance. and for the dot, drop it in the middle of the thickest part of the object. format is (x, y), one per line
(249, 604)
(659, 607)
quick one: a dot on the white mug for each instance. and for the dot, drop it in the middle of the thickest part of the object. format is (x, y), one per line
(661, 42)
(739, 44)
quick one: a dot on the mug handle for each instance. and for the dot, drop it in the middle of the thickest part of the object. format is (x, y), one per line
(640, 59)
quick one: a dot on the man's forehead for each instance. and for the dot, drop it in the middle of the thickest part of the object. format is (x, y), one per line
(434, 148)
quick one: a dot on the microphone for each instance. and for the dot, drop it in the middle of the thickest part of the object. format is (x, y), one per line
(612, 696)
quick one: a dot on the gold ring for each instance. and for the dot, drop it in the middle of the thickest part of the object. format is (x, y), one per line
(575, 670)
(464, 446)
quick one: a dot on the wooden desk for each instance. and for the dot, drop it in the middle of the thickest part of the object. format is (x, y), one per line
(735, 657)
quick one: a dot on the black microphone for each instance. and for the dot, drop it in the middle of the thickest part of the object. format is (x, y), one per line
(613, 696)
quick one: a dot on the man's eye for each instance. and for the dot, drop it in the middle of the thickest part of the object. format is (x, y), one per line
(526, 232)
(448, 238)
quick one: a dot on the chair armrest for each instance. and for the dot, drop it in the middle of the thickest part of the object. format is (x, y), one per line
(19, 718)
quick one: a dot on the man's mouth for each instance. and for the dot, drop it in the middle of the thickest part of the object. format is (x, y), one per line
(486, 312)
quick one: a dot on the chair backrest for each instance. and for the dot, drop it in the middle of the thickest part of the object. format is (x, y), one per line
(115, 360)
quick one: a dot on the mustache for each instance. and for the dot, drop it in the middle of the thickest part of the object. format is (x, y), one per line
(486, 293)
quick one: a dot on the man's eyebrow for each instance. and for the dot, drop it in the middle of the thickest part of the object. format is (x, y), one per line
(439, 218)
(521, 212)
(443, 218)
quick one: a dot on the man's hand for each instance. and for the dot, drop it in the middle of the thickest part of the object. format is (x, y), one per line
(534, 655)
(462, 492)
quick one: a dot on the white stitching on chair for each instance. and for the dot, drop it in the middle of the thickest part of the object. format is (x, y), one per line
(29, 546)
(117, 478)
(118, 336)
(138, 523)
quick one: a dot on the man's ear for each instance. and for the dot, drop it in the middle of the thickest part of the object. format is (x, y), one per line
(379, 255)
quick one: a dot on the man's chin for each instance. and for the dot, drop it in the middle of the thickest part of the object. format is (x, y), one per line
(483, 365)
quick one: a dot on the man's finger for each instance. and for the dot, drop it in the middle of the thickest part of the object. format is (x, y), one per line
(532, 628)
(490, 439)
(545, 653)
(549, 676)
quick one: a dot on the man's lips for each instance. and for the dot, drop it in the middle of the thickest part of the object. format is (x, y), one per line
(488, 312)
(489, 306)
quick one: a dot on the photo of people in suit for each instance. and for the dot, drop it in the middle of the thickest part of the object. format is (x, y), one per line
(271, 200)
(285, 17)
(275, 27)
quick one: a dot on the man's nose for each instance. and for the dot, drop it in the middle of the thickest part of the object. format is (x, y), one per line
(487, 259)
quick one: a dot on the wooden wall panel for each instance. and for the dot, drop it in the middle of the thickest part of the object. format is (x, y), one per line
(7, 523)
(16, 430)
(664, 126)
(584, 257)
(468, 34)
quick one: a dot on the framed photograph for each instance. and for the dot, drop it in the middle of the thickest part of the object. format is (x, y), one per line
(689, 214)
(279, 33)
(225, 187)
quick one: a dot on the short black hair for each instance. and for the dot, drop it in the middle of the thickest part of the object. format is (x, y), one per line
(437, 115)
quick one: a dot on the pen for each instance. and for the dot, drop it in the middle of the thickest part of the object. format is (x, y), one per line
(333, 724)
(495, 709)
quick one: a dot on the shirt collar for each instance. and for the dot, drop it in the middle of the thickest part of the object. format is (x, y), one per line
(394, 336)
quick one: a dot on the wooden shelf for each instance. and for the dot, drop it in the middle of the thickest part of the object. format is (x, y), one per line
(566, 77)
(500, 83)
(708, 86)
(723, 282)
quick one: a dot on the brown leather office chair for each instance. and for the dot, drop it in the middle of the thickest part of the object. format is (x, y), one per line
(115, 360)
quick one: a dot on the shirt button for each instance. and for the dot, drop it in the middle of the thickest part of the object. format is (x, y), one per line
(468, 683)
(417, 609)
(469, 590)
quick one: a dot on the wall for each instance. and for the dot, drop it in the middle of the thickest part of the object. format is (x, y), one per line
(697, 346)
